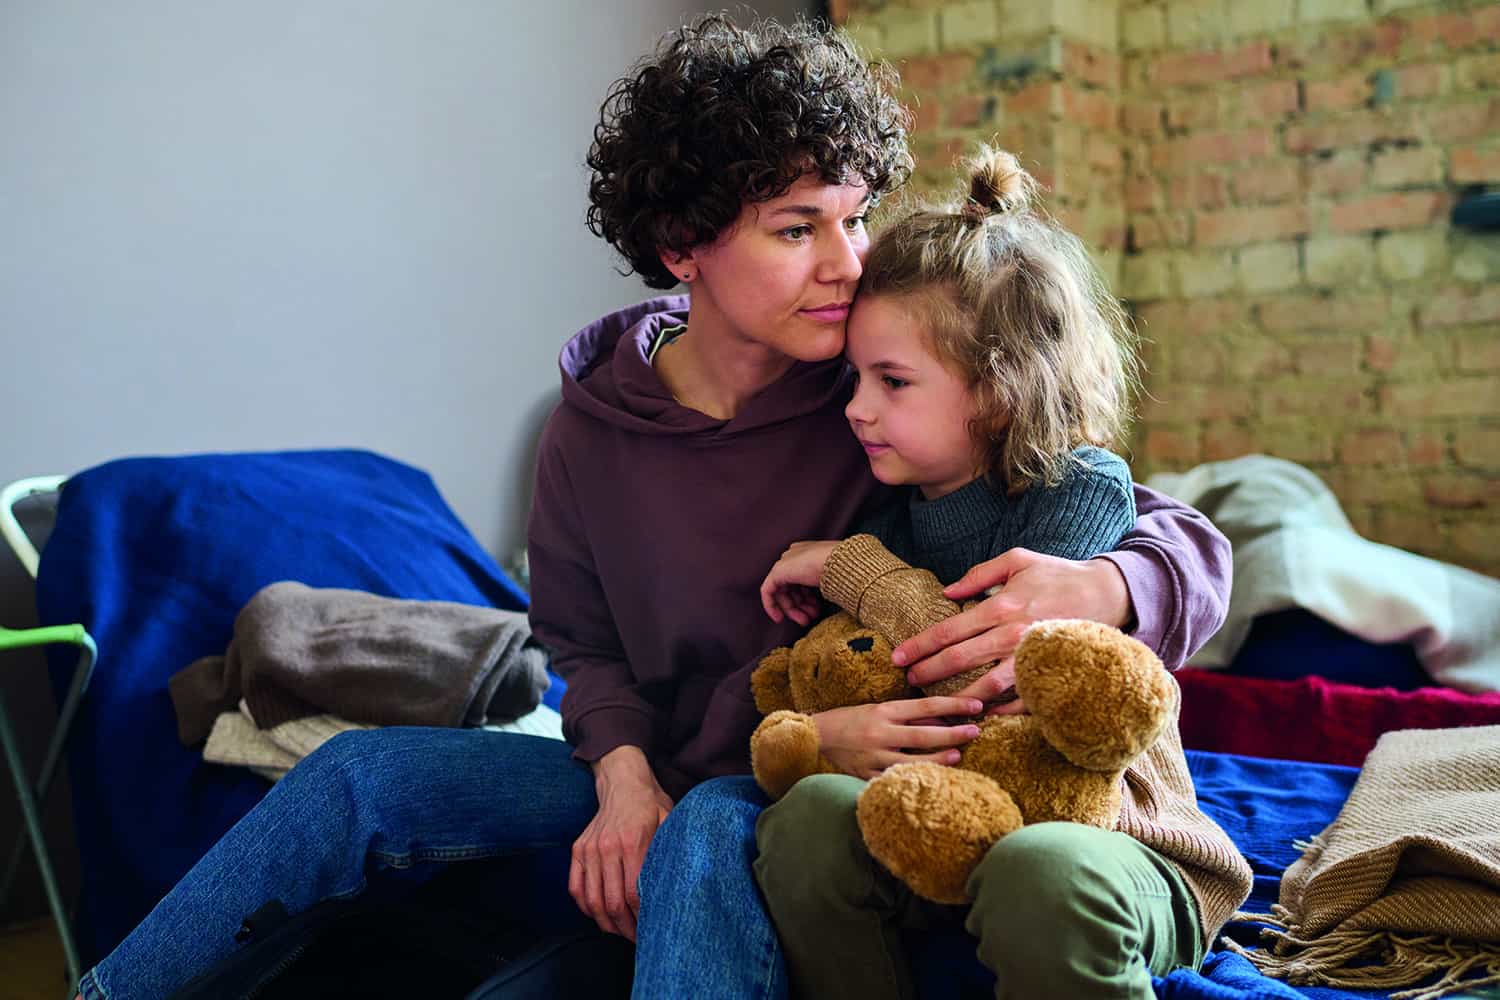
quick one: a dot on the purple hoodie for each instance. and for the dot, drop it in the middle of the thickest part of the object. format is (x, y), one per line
(653, 525)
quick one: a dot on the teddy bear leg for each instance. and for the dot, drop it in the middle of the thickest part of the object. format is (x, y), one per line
(783, 751)
(931, 825)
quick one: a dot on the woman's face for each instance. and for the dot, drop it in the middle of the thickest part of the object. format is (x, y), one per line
(783, 276)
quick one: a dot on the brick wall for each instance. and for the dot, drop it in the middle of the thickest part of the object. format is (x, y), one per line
(1269, 184)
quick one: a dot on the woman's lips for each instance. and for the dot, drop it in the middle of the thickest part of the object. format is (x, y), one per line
(874, 449)
(835, 313)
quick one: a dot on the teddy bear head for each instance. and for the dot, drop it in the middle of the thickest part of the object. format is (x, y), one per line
(839, 662)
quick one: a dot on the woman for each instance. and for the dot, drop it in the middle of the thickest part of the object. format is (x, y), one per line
(742, 165)
(696, 437)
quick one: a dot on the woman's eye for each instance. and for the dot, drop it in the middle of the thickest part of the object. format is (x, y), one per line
(894, 382)
(855, 223)
(797, 233)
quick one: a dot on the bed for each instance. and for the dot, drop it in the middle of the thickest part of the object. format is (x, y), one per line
(155, 556)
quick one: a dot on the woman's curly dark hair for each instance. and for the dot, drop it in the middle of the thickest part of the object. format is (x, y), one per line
(722, 116)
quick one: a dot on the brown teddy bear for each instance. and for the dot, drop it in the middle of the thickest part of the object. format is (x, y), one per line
(1097, 699)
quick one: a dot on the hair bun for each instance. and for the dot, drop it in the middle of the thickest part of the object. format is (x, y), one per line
(998, 185)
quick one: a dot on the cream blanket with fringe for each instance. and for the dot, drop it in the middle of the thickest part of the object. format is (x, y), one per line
(1405, 883)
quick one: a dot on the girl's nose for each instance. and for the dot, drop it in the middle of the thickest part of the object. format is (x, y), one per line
(856, 412)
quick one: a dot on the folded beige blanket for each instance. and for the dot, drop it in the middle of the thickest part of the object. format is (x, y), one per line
(1404, 885)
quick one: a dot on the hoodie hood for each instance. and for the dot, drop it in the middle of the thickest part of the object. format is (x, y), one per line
(606, 374)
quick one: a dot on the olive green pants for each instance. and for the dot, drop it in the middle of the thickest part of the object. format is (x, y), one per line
(1060, 909)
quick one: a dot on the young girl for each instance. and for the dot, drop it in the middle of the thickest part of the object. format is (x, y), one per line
(993, 370)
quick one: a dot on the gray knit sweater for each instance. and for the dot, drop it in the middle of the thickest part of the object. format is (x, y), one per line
(1084, 515)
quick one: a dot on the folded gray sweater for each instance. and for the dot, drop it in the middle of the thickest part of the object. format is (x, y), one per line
(299, 651)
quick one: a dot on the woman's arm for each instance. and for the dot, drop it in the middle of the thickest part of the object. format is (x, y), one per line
(1178, 568)
(605, 715)
(1167, 582)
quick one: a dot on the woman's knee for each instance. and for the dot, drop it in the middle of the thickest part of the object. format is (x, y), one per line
(331, 763)
(721, 801)
(385, 750)
(712, 823)
(421, 778)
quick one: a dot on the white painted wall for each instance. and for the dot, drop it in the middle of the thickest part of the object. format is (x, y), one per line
(285, 224)
(282, 224)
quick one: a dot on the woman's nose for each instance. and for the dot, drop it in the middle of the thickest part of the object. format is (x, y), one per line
(845, 258)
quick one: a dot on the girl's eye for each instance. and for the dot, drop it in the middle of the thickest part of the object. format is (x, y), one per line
(893, 382)
(855, 223)
(797, 233)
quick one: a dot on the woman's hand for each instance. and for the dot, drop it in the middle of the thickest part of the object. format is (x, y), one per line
(790, 590)
(1031, 587)
(607, 857)
(864, 740)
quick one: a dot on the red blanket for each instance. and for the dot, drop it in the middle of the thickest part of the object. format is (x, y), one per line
(1314, 719)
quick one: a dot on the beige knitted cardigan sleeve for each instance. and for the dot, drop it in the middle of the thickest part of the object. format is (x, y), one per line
(1160, 809)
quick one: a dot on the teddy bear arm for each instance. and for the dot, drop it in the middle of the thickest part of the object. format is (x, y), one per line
(784, 750)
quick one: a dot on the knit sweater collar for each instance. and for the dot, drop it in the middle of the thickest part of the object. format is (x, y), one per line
(938, 523)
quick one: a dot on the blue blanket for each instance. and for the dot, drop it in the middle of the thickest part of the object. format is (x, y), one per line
(1265, 806)
(155, 556)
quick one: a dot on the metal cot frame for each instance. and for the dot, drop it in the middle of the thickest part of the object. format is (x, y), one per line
(32, 794)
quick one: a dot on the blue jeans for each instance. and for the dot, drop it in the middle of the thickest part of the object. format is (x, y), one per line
(385, 805)
(703, 929)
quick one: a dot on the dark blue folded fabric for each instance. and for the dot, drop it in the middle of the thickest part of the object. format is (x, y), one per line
(1291, 644)
(155, 556)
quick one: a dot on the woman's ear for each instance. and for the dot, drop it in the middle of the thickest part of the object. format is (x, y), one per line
(681, 265)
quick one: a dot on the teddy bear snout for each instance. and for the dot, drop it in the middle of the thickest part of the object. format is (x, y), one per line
(861, 644)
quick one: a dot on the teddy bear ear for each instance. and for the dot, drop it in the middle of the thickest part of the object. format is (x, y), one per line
(771, 681)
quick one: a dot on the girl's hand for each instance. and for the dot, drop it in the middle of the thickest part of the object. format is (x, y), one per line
(607, 857)
(1031, 587)
(790, 590)
(864, 740)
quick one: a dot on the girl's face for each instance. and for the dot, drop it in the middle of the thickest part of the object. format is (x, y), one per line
(910, 411)
(784, 275)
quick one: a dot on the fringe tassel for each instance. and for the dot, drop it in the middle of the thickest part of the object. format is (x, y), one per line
(1313, 843)
(1397, 960)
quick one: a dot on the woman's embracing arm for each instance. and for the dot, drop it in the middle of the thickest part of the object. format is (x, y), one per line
(1167, 583)
(1178, 568)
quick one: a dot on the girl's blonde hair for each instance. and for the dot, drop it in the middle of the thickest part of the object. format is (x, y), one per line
(1013, 302)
